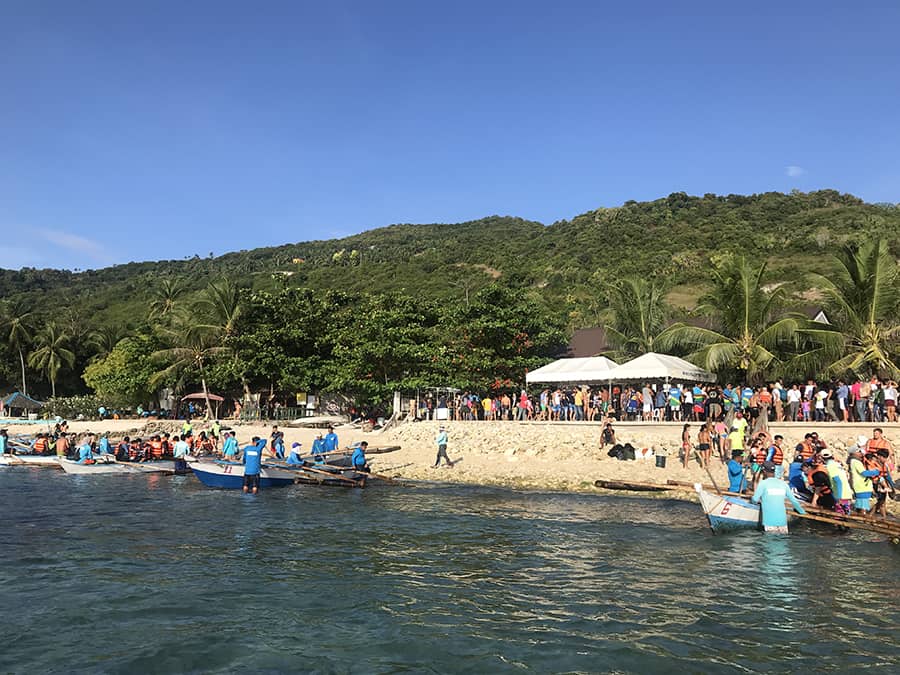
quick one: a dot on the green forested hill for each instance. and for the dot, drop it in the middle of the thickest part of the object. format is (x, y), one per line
(565, 264)
(560, 273)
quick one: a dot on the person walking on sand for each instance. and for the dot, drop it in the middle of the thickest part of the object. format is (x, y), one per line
(441, 440)
(686, 445)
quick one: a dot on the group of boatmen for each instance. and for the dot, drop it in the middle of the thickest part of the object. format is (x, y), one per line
(90, 448)
(815, 476)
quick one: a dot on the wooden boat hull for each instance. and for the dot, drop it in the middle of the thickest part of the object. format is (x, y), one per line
(633, 487)
(72, 467)
(726, 513)
(230, 475)
(50, 461)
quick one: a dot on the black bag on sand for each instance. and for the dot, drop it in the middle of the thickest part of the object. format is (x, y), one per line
(616, 451)
(628, 451)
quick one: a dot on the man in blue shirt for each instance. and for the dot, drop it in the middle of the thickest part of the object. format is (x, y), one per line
(229, 446)
(770, 495)
(294, 457)
(331, 440)
(253, 464)
(735, 472)
(180, 452)
(441, 441)
(358, 458)
(318, 449)
(85, 450)
(278, 444)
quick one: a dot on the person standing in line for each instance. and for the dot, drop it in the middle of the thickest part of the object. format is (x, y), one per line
(770, 495)
(441, 440)
(253, 464)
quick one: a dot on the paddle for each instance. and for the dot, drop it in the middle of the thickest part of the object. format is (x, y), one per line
(708, 473)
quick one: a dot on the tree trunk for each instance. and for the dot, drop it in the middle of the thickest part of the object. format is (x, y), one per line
(22, 359)
(53, 388)
(205, 393)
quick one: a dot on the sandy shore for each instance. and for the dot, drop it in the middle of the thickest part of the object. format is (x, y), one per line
(534, 455)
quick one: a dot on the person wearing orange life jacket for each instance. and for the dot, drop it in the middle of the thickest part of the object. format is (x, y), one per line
(806, 449)
(879, 442)
(156, 448)
(41, 444)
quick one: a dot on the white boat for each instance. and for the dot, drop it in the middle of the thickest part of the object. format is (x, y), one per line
(104, 465)
(726, 513)
(51, 461)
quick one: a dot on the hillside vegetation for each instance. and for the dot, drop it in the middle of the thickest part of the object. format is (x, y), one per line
(564, 270)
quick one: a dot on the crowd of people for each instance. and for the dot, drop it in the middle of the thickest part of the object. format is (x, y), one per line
(872, 400)
(815, 475)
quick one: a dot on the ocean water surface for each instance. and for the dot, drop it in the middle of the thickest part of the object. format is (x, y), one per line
(145, 574)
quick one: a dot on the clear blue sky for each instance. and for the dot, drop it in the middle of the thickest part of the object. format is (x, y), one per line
(157, 129)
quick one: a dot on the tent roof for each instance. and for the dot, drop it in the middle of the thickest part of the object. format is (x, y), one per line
(19, 400)
(201, 396)
(660, 367)
(576, 371)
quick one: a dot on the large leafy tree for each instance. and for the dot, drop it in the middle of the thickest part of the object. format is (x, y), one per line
(122, 377)
(862, 305)
(390, 342)
(18, 325)
(52, 354)
(635, 317)
(500, 336)
(749, 331)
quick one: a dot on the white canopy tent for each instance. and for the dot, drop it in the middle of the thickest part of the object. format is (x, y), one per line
(586, 370)
(654, 366)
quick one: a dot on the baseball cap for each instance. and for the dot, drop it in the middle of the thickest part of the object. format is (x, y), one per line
(296, 445)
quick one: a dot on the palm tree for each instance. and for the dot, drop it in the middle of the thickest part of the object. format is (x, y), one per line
(105, 338)
(52, 354)
(220, 305)
(18, 324)
(194, 348)
(165, 298)
(635, 317)
(750, 328)
(861, 299)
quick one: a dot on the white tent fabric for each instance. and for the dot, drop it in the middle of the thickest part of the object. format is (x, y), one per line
(660, 367)
(585, 370)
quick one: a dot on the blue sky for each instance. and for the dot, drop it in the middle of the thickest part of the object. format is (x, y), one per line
(147, 130)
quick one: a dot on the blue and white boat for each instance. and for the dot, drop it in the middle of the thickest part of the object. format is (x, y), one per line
(726, 513)
(230, 475)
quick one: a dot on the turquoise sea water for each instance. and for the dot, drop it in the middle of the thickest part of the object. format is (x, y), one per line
(142, 574)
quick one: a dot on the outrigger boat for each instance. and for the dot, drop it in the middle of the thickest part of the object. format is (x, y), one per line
(104, 465)
(30, 460)
(230, 475)
(319, 474)
(727, 513)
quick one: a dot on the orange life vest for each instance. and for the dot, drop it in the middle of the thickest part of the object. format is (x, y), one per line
(777, 456)
(808, 450)
(876, 444)
(40, 445)
(761, 455)
(156, 449)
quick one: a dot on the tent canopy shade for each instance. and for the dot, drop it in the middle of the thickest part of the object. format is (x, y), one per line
(19, 400)
(200, 396)
(585, 370)
(654, 366)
